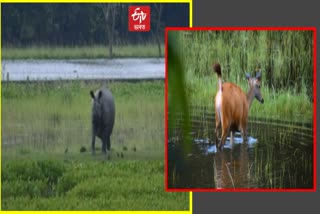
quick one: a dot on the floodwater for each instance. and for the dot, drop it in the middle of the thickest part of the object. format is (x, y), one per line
(118, 69)
(278, 154)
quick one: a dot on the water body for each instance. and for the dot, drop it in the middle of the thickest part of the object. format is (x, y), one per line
(116, 69)
(278, 154)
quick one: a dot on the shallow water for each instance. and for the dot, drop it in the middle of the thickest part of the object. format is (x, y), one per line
(278, 154)
(22, 70)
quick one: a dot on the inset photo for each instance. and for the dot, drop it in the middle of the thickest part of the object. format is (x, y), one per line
(240, 109)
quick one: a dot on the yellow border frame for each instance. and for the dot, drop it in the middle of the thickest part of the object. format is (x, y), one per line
(88, 1)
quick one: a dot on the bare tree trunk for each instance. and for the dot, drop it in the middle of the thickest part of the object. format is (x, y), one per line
(158, 29)
(112, 30)
(109, 11)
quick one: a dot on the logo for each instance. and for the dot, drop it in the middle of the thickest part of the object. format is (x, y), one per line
(139, 18)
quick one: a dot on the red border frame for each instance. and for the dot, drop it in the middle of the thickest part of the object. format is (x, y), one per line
(313, 29)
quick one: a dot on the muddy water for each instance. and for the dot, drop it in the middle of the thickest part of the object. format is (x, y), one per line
(278, 154)
(22, 70)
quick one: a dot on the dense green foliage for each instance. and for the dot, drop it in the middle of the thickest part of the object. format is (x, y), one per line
(87, 185)
(80, 24)
(285, 57)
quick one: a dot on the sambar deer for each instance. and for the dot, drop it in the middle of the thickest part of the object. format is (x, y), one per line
(232, 106)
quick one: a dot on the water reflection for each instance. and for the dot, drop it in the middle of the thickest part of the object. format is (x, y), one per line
(278, 154)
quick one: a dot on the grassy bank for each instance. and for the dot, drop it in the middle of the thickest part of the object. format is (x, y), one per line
(282, 104)
(86, 52)
(46, 129)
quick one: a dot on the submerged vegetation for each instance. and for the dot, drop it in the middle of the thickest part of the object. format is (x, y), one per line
(279, 155)
(46, 158)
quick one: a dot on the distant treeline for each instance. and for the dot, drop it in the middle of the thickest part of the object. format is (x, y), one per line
(81, 24)
(285, 57)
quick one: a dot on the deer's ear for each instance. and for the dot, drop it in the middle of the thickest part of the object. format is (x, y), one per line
(92, 94)
(258, 76)
(248, 76)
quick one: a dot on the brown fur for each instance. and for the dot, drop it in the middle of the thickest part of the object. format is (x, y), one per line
(234, 107)
(234, 112)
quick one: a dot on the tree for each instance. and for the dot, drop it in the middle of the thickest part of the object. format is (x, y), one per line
(109, 11)
(84, 24)
(158, 8)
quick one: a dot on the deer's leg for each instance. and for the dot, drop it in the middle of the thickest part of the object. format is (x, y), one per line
(218, 125)
(232, 137)
(244, 133)
(225, 132)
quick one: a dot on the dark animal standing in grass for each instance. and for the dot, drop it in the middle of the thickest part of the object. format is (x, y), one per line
(103, 114)
(232, 106)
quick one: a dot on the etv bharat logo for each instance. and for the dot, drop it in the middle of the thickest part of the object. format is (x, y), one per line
(139, 18)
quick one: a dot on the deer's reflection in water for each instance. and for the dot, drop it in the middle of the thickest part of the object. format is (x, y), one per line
(277, 154)
(232, 169)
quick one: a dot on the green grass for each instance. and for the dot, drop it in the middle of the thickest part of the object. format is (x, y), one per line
(285, 58)
(54, 116)
(41, 120)
(282, 104)
(87, 185)
(86, 52)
